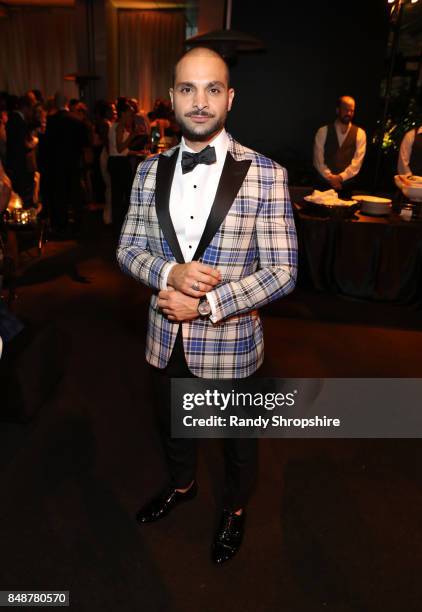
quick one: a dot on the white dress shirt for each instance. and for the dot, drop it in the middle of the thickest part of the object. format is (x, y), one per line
(355, 165)
(406, 151)
(112, 141)
(191, 199)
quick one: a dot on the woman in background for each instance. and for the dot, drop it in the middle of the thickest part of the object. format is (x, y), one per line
(106, 115)
(164, 125)
(120, 136)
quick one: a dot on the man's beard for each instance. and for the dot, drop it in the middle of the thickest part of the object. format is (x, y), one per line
(346, 120)
(200, 133)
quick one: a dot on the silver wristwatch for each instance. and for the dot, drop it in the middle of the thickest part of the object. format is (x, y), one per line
(204, 307)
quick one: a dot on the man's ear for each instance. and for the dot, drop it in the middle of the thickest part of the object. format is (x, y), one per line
(231, 93)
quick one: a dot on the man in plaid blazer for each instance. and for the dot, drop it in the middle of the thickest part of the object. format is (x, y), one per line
(210, 230)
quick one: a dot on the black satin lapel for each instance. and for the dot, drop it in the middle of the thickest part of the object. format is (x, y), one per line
(163, 182)
(231, 180)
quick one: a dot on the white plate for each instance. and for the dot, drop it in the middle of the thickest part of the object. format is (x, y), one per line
(375, 208)
(371, 199)
(333, 202)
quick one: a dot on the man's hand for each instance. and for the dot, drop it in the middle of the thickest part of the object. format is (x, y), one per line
(183, 277)
(335, 181)
(177, 306)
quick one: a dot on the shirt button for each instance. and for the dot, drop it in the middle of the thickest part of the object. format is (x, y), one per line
(190, 246)
(194, 186)
(191, 217)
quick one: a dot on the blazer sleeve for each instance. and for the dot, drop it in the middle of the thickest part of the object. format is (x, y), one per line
(134, 253)
(277, 248)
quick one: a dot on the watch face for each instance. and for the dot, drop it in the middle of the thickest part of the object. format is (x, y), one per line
(204, 308)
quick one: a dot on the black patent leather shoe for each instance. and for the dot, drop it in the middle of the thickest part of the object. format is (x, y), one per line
(164, 503)
(228, 537)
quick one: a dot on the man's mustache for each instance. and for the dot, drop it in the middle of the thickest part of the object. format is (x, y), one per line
(199, 113)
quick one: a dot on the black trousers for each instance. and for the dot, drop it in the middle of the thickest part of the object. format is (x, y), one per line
(64, 195)
(240, 454)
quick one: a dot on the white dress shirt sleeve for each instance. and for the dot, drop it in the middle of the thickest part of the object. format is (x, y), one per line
(166, 275)
(213, 305)
(405, 153)
(319, 144)
(356, 164)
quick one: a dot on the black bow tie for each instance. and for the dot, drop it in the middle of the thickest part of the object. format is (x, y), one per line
(190, 160)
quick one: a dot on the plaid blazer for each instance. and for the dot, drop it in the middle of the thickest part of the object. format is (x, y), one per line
(249, 236)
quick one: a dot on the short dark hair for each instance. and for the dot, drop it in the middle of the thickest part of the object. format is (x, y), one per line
(37, 93)
(197, 51)
(24, 102)
(123, 105)
(73, 102)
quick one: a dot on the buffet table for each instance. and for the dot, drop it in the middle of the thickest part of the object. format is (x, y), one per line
(376, 258)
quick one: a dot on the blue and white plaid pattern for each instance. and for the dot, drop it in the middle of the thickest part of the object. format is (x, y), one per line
(255, 250)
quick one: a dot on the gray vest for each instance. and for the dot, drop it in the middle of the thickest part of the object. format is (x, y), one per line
(338, 158)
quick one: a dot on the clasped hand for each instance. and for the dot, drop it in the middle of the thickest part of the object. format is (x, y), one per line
(184, 277)
(177, 306)
(180, 301)
(335, 181)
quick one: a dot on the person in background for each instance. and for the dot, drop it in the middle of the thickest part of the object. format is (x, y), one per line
(80, 112)
(410, 154)
(140, 146)
(66, 140)
(9, 248)
(142, 126)
(120, 137)
(5, 189)
(339, 149)
(38, 96)
(39, 125)
(164, 128)
(50, 106)
(32, 97)
(105, 116)
(19, 164)
(72, 104)
(3, 135)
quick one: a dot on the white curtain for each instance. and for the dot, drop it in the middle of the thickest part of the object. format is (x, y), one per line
(37, 49)
(150, 43)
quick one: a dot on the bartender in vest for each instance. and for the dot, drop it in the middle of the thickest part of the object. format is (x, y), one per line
(410, 155)
(339, 149)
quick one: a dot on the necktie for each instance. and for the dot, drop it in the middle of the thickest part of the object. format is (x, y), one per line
(191, 160)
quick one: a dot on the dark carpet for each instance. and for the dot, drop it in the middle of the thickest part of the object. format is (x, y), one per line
(334, 524)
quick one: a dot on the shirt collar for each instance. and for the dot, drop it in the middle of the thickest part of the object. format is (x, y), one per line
(220, 142)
